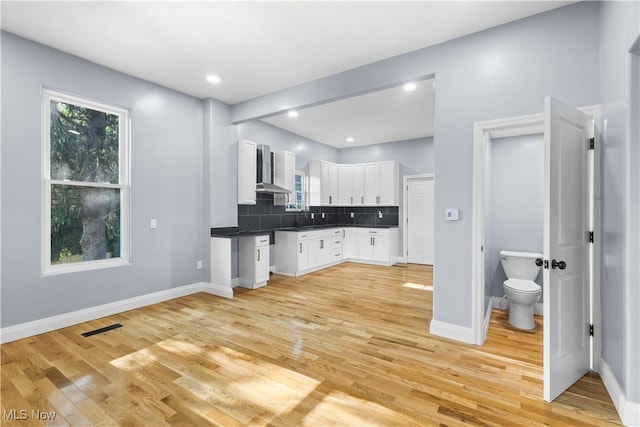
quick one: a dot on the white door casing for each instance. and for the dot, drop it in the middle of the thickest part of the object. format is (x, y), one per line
(419, 219)
(566, 226)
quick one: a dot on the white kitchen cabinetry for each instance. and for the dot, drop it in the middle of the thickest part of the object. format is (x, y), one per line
(345, 182)
(350, 243)
(299, 253)
(247, 157)
(284, 175)
(358, 185)
(381, 184)
(351, 185)
(378, 245)
(323, 183)
(253, 261)
(368, 184)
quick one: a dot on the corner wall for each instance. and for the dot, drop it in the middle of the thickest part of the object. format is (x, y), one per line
(166, 184)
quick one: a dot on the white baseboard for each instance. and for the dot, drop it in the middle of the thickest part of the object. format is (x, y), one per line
(538, 309)
(451, 331)
(35, 327)
(629, 412)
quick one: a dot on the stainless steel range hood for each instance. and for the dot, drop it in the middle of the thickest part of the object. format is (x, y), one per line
(264, 176)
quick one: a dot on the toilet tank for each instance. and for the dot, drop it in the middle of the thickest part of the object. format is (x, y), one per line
(520, 265)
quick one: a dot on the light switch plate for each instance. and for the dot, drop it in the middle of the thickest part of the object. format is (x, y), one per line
(452, 214)
(153, 223)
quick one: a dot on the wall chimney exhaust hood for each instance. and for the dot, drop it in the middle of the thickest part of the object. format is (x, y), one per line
(264, 175)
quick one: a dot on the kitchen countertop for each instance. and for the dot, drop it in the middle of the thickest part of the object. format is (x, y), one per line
(321, 227)
(230, 232)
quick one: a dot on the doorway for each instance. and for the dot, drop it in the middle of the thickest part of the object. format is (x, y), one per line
(571, 296)
(418, 236)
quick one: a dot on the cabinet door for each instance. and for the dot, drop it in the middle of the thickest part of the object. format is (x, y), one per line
(345, 183)
(380, 248)
(285, 169)
(332, 182)
(262, 264)
(372, 184)
(324, 183)
(357, 185)
(350, 244)
(303, 256)
(365, 246)
(388, 184)
(247, 157)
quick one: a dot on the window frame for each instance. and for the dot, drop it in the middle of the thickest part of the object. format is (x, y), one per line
(123, 185)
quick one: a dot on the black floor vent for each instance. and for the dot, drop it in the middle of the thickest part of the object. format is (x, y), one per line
(101, 330)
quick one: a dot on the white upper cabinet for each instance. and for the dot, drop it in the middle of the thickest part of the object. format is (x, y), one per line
(389, 182)
(381, 184)
(358, 185)
(368, 184)
(345, 182)
(323, 183)
(284, 175)
(285, 170)
(247, 157)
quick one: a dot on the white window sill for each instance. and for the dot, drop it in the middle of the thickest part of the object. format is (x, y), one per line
(84, 266)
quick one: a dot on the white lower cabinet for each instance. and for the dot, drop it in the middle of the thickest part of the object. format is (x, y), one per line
(298, 253)
(253, 261)
(374, 245)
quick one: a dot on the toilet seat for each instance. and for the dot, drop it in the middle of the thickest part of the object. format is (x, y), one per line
(522, 286)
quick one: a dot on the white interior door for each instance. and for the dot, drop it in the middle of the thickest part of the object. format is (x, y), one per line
(566, 247)
(420, 220)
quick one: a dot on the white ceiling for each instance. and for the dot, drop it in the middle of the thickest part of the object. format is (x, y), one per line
(255, 47)
(258, 47)
(384, 116)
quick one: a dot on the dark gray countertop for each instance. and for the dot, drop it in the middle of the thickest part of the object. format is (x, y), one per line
(320, 227)
(230, 232)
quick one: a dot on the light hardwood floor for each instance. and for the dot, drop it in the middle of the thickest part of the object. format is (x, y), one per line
(345, 346)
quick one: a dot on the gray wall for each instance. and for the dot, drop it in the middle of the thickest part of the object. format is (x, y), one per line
(501, 72)
(166, 178)
(514, 203)
(620, 27)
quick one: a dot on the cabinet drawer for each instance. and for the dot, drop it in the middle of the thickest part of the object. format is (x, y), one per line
(303, 237)
(337, 243)
(337, 255)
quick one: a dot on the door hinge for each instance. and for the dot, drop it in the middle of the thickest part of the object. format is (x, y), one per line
(591, 237)
(591, 330)
(592, 143)
(546, 264)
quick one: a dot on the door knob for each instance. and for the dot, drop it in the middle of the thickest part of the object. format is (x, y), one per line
(539, 262)
(560, 264)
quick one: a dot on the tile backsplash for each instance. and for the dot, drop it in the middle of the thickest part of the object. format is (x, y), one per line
(265, 216)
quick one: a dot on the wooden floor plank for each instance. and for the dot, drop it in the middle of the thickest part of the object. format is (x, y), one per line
(348, 345)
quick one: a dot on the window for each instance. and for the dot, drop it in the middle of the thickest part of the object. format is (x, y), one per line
(296, 200)
(86, 184)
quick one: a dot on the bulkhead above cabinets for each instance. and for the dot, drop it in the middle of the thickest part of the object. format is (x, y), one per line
(363, 184)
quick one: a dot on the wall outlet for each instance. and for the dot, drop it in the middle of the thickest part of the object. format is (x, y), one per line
(199, 265)
(379, 214)
(313, 215)
(322, 214)
(352, 215)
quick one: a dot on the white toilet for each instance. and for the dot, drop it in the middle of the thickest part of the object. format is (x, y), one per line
(520, 289)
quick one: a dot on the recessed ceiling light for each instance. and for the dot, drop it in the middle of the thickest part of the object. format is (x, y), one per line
(350, 139)
(293, 113)
(213, 79)
(410, 86)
